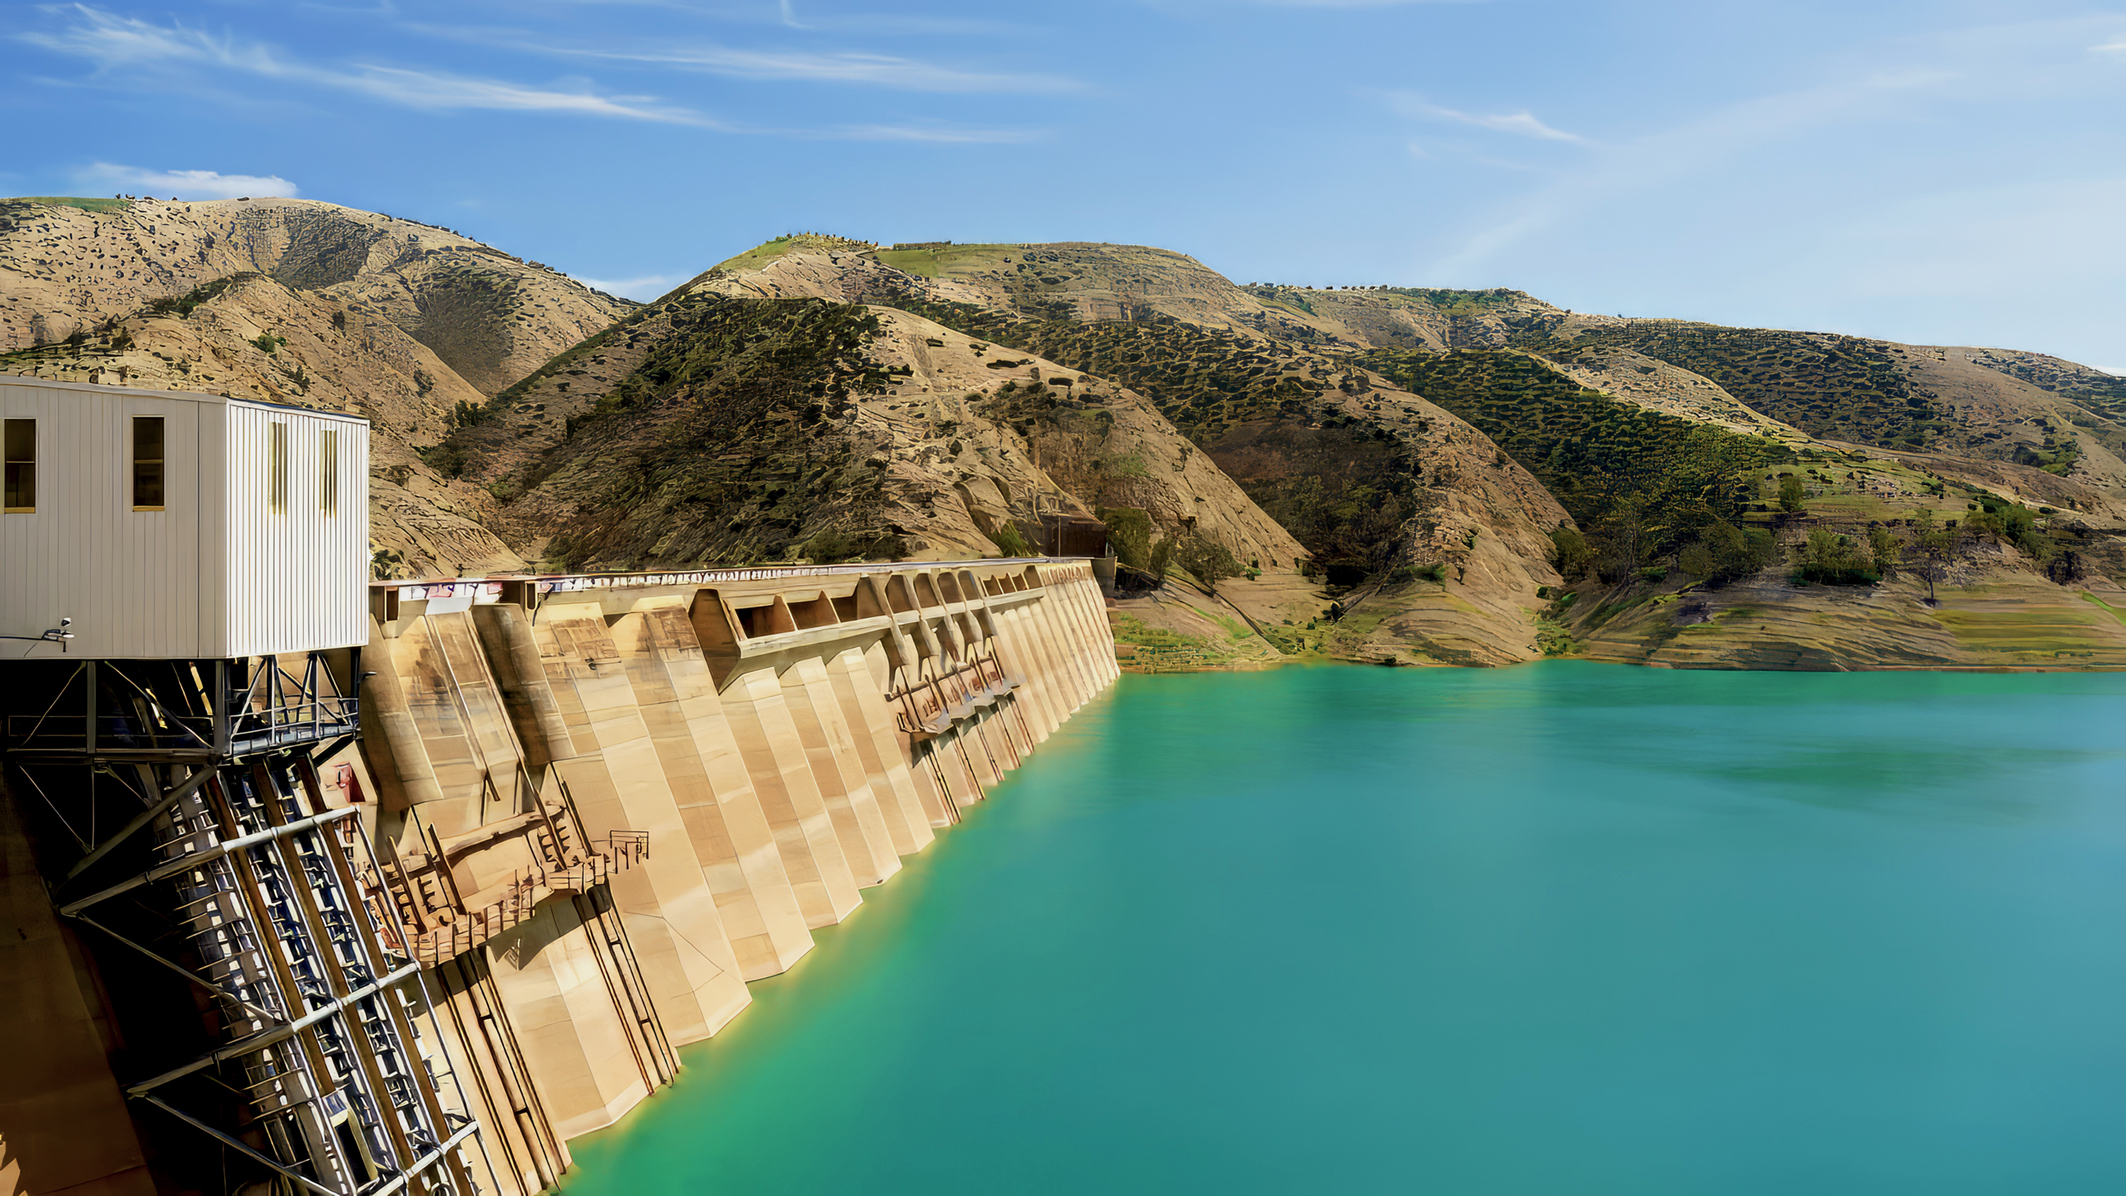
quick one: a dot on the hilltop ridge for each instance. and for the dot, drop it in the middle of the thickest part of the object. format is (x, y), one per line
(1411, 474)
(301, 302)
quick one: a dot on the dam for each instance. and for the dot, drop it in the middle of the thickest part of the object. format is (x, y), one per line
(337, 886)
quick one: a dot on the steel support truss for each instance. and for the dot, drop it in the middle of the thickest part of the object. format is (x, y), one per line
(347, 1093)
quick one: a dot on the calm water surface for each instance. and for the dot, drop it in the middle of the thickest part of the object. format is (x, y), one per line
(1559, 929)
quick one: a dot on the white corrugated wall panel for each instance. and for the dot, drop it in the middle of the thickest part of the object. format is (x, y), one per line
(297, 578)
(212, 574)
(129, 579)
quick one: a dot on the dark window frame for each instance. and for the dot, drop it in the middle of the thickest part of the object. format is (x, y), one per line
(18, 463)
(150, 478)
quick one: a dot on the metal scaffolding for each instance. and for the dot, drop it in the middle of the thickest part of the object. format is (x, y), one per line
(246, 885)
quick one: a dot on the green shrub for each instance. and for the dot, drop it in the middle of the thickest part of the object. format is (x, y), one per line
(1162, 556)
(1570, 552)
(1725, 552)
(1206, 560)
(1834, 560)
(1129, 533)
(1010, 542)
(839, 545)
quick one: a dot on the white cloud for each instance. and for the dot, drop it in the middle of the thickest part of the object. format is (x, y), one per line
(642, 289)
(876, 70)
(1521, 123)
(111, 41)
(184, 184)
(2114, 47)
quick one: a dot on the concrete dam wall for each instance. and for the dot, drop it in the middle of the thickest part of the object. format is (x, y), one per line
(580, 815)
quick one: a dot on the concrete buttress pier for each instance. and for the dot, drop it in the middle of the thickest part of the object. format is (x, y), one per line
(562, 822)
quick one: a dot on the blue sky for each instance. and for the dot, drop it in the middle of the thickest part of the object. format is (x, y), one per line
(1944, 173)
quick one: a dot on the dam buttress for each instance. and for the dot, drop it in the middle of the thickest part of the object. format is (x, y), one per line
(334, 887)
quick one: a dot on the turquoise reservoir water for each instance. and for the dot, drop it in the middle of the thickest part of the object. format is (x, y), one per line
(1553, 930)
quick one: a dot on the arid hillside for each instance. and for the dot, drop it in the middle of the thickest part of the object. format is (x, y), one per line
(710, 428)
(1303, 471)
(1376, 473)
(297, 302)
(1665, 443)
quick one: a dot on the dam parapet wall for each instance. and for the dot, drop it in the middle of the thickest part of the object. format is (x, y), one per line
(587, 811)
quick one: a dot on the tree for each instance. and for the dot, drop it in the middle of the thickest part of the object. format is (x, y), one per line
(1725, 552)
(1883, 545)
(1832, 560)
(1162, 553)
(1930, 551)
(1570, 552)
(1626, 541)
(1207, 561)
(1790, 493)
(1129, 531)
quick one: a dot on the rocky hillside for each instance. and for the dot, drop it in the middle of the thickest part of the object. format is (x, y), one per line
(297, 302)
(712, 428)
(810, 395)
(1405, 474)
(1653, 445)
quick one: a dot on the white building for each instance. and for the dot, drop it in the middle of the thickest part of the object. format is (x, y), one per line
(174, 526)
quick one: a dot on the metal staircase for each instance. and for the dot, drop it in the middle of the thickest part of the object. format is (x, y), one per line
(234, 874)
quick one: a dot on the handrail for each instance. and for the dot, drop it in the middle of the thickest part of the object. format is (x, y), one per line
(746, 573)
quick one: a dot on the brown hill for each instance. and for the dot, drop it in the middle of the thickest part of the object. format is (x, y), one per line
(297, 302)
(1356, 468)
(1995, 435)
(1396, 472)
(713, 428)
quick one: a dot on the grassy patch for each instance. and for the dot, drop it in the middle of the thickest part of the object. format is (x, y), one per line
(73, 201)
(2039, 633)
(760, 255)
(939, 260)
(2118, 613)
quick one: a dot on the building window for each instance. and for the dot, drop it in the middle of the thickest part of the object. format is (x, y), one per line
(328, 472)
(147, 463)
(20, 451)
(277, 468)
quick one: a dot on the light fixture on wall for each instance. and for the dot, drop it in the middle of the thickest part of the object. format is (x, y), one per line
(59, 635)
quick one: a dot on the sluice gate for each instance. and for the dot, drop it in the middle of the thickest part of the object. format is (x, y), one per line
(324, 887)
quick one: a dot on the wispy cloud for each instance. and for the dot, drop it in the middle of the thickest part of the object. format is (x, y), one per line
(875, 70)
(853, 67)
(642, 288)
(1521, 124)
(111, 41)
(1981, 64)
(114, 43)
(183, 184)
(2114, 47)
